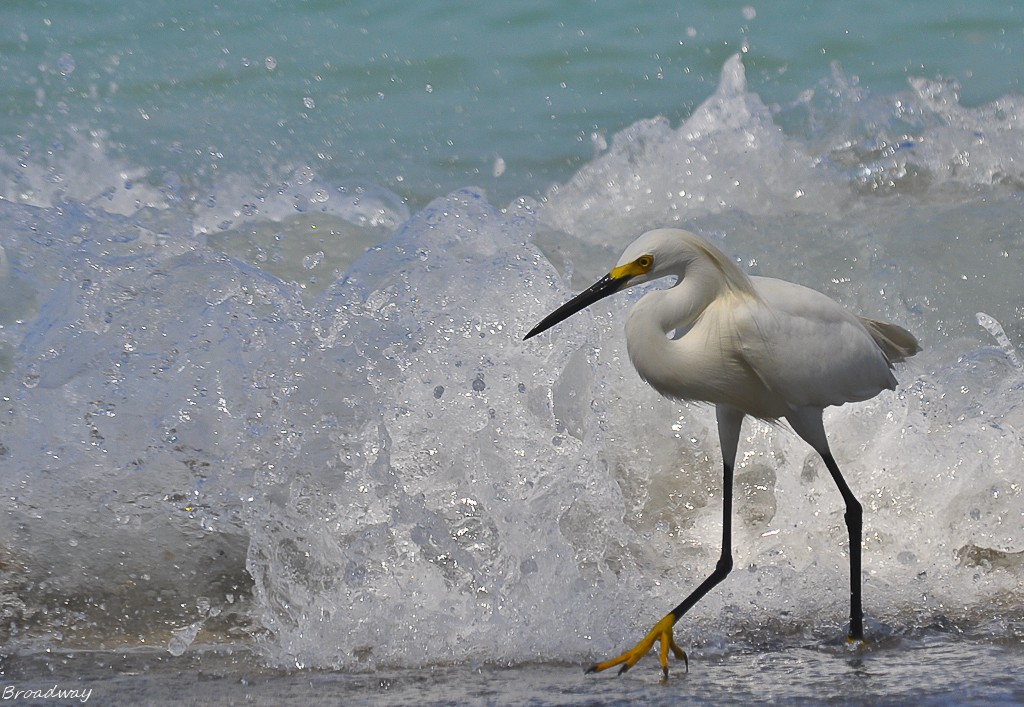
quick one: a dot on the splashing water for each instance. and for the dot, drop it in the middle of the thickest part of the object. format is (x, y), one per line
(324, 419)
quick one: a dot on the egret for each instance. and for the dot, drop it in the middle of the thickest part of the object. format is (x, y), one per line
(754, 346)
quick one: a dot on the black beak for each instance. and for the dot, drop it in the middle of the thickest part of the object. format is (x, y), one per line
(604, 287)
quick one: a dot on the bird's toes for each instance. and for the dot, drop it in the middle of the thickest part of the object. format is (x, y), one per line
(855, 644)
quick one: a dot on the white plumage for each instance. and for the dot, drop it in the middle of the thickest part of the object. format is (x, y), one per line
(750, 346)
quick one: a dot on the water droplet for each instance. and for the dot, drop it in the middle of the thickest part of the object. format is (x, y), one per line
(66, 64)
(182, 638)
(312, 260)
(31, 378)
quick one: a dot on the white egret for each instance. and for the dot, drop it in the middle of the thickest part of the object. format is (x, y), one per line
(750, 346)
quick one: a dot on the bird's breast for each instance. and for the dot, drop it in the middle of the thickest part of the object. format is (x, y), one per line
(703, 364)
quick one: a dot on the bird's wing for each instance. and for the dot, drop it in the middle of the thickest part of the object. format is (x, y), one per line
(806, 349)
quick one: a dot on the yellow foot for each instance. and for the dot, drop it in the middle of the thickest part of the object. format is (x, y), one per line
(661, 632)
(856, 644)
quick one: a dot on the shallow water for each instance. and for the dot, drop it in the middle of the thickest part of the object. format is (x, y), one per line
(934, 670)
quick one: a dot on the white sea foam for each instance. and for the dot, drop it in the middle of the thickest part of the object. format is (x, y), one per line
(199, 404)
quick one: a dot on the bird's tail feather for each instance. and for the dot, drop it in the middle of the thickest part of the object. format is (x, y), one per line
(896, 343)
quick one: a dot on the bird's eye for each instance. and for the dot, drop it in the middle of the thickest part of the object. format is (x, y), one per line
(645, 261)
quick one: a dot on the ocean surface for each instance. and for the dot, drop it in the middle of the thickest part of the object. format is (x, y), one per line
(268, 428)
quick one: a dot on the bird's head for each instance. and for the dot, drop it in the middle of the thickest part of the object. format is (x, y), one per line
(666, 251)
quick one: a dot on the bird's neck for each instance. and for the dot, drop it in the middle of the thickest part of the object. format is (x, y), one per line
(677, 307)
(676, 312)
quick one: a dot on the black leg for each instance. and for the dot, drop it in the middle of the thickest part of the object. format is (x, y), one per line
(729, 422)
(724, 565)
(854, 525)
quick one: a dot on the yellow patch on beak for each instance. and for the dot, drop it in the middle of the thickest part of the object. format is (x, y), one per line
(640, 266)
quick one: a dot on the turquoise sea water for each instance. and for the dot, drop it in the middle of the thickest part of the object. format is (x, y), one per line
(267, 418)
(425, 98)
